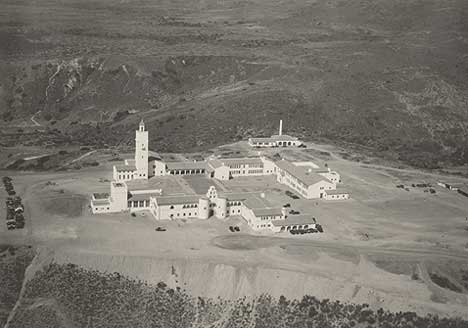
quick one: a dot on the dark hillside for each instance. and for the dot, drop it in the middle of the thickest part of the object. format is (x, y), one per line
(385, 74)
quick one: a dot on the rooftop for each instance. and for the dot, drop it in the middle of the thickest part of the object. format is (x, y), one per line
(123, 167)
(339, 191)
(261, 207)
(186, 165)
(215, 163)
(100, 202)
(175, 200)
(294, 220)
(267, 211)
(100, 195)
(142, 196)
(301, 173)
(274, 138)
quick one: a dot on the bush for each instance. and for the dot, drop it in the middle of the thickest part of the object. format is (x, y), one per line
(112, 300)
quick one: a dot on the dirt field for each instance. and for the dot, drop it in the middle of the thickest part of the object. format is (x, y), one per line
(402, 250)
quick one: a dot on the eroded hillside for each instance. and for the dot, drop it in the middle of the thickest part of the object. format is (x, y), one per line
(389, 75)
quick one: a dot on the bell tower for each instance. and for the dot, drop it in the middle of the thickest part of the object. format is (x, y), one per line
(141, 152)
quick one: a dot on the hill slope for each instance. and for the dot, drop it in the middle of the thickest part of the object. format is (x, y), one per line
(390, 75)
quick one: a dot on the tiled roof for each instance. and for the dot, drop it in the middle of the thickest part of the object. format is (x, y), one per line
(301, 173)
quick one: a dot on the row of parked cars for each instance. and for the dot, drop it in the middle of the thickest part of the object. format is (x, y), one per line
(291, 194)
(318, 228)
(14, 207)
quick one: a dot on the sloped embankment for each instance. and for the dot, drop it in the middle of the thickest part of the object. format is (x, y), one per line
(70, 296)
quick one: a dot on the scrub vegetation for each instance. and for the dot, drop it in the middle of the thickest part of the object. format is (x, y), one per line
(388, 76)
(68, 295)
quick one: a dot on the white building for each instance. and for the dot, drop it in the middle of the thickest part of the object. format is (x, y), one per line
(128, 194)
(279, 140)
(133, 169)
(307, 182)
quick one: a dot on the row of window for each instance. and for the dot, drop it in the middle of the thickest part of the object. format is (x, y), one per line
(271, 217)
(138, 203)
(185, 172)
(125, 176)
(234, 203)
(100, 209)
(183, 215)
(185, 206)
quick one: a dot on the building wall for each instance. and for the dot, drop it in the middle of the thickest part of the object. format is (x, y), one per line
(234, 208)
(269, 167)
(337, 196)
(138, 205)
(118, 197)
(97, 209)
(178, 211)
(222, 173)
(141, 153)
(123, 175)
(292, 183)
(318, 190)
(220, 209)
(157, 168)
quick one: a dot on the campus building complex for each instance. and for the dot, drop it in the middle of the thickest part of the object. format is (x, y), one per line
(278, 140)
(127, 193)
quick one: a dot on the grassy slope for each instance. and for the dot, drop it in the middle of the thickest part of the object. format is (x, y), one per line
(384, 74)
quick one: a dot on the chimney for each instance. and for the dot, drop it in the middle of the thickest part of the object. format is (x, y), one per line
(281, 128)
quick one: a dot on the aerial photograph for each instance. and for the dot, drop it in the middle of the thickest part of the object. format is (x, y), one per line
(233, 164)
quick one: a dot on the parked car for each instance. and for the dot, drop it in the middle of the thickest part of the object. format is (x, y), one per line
(231, 228)
(237, 229)
(287, 205)
(294, 212)
(160, 229)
